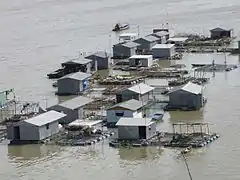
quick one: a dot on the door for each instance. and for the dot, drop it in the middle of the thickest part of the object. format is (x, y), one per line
(142, 132)
(16, 132)
(119, 98)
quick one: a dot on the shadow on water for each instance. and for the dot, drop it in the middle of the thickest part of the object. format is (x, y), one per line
(32, 152)
(139, 154)
(189, 116)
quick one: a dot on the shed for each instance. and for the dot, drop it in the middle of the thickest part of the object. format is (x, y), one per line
(163, 50)
(136, 128)
(141, 61)
(188, 96)
(141, 92)
(78, 64)
(100, 60)
(129, 108)
(124, 37)
(36, 128)
(146, 43)
(125, 50)
(73, 108)
(73, 84)
(218, 33)
(177, 40)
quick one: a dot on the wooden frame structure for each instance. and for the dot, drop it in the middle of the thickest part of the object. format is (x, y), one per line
(191, 126)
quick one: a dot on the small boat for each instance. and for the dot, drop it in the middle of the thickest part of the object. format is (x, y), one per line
(158, 116)
(120, 27)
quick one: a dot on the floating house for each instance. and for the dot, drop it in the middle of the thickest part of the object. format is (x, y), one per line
(36, 128)
(146, 43)
(79, 64)
(73, 108)
(125, 37)
(163, 51)
(163, 36)
(130, 108)
(178, 41)
(141, 92)
(189, 96)
(73, 84)
(218, 33)
(141, 61)
(124, 50)
(100, 60)
(135, 128)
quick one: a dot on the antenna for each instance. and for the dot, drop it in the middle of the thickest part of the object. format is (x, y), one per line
(138, 30)
(225, 56)
(142, 103)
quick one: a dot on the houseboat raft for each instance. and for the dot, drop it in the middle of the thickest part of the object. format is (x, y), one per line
(194, 135)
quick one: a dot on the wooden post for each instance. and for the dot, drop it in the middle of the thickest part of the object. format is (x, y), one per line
(208, 129)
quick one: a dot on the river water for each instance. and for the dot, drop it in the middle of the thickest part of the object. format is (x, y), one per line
(36, 35)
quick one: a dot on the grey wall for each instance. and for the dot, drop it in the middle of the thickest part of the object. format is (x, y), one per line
(163, 53)
(102, 63)
(185, 99)
(29, 132)
(10, 132)
(127, 95)
(122, 51)
(45, 133)
(69, 86)
(128, 132)
(71, 115)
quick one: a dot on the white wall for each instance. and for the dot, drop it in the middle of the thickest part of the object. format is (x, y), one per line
(112, 118)
(45, 133)
(137, 114)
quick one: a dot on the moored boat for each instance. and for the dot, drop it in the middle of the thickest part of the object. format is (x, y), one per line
(120, 27)
(158, 116)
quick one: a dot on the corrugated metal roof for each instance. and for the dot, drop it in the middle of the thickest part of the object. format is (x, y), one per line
(141, 88)
(151, 38)
(140, 57)
(82, 123)
(128, 35)
(76, 103)
(79, 60)
(177, 39)
(45, 118)
(161, 33)
(78, 76)
(129, 121)
(131, 104)
(189, 87)
(130, 44)
(148, 38)
(163, 46)
(101, 54)
(192, 88)
(218, 29)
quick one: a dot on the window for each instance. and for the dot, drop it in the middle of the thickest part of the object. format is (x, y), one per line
(119, 114)
(47, 126)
